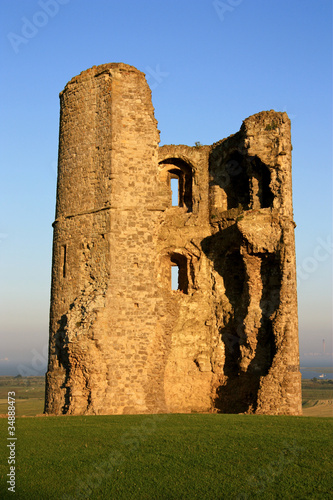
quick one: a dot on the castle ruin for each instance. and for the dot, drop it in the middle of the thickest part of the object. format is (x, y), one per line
(122, 340)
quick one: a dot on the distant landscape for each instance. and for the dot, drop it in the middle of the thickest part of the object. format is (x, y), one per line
(317, 394)
(321, 372)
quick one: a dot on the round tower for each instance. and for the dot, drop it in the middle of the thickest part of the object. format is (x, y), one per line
(103, 269)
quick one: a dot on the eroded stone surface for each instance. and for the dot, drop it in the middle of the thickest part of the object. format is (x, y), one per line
(121, 340)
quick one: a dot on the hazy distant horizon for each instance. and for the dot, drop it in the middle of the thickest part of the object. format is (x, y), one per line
(37, 365)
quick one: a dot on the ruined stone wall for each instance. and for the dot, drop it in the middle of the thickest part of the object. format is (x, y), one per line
(121, 340)
(253, 255)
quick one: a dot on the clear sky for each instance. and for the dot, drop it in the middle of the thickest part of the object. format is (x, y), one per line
(210, 65)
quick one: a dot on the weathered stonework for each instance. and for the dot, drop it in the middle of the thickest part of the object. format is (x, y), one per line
(121, 341)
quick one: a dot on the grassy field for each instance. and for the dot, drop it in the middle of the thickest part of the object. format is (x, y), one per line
(315, 389)
(171, 457)
(168, 456)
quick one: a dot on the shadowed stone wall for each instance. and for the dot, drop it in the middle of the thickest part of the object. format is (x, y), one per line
(121, 340)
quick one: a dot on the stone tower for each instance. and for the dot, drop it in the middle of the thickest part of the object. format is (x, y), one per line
(122, 340)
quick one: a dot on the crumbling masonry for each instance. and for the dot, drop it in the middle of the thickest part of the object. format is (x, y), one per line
(121, 339)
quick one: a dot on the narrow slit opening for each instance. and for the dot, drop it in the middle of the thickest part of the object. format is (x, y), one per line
(64, 260)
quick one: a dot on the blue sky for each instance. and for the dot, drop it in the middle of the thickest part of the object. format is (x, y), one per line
(210, 65)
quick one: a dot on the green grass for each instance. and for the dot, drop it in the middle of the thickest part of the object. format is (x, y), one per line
(168, 456)
(171, 457)
(29, 394)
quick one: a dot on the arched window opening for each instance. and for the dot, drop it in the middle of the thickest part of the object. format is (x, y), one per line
(178, 177)
(178, 271)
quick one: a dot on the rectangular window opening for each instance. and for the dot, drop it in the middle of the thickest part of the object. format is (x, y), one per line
(174, 277)
(174, 183)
